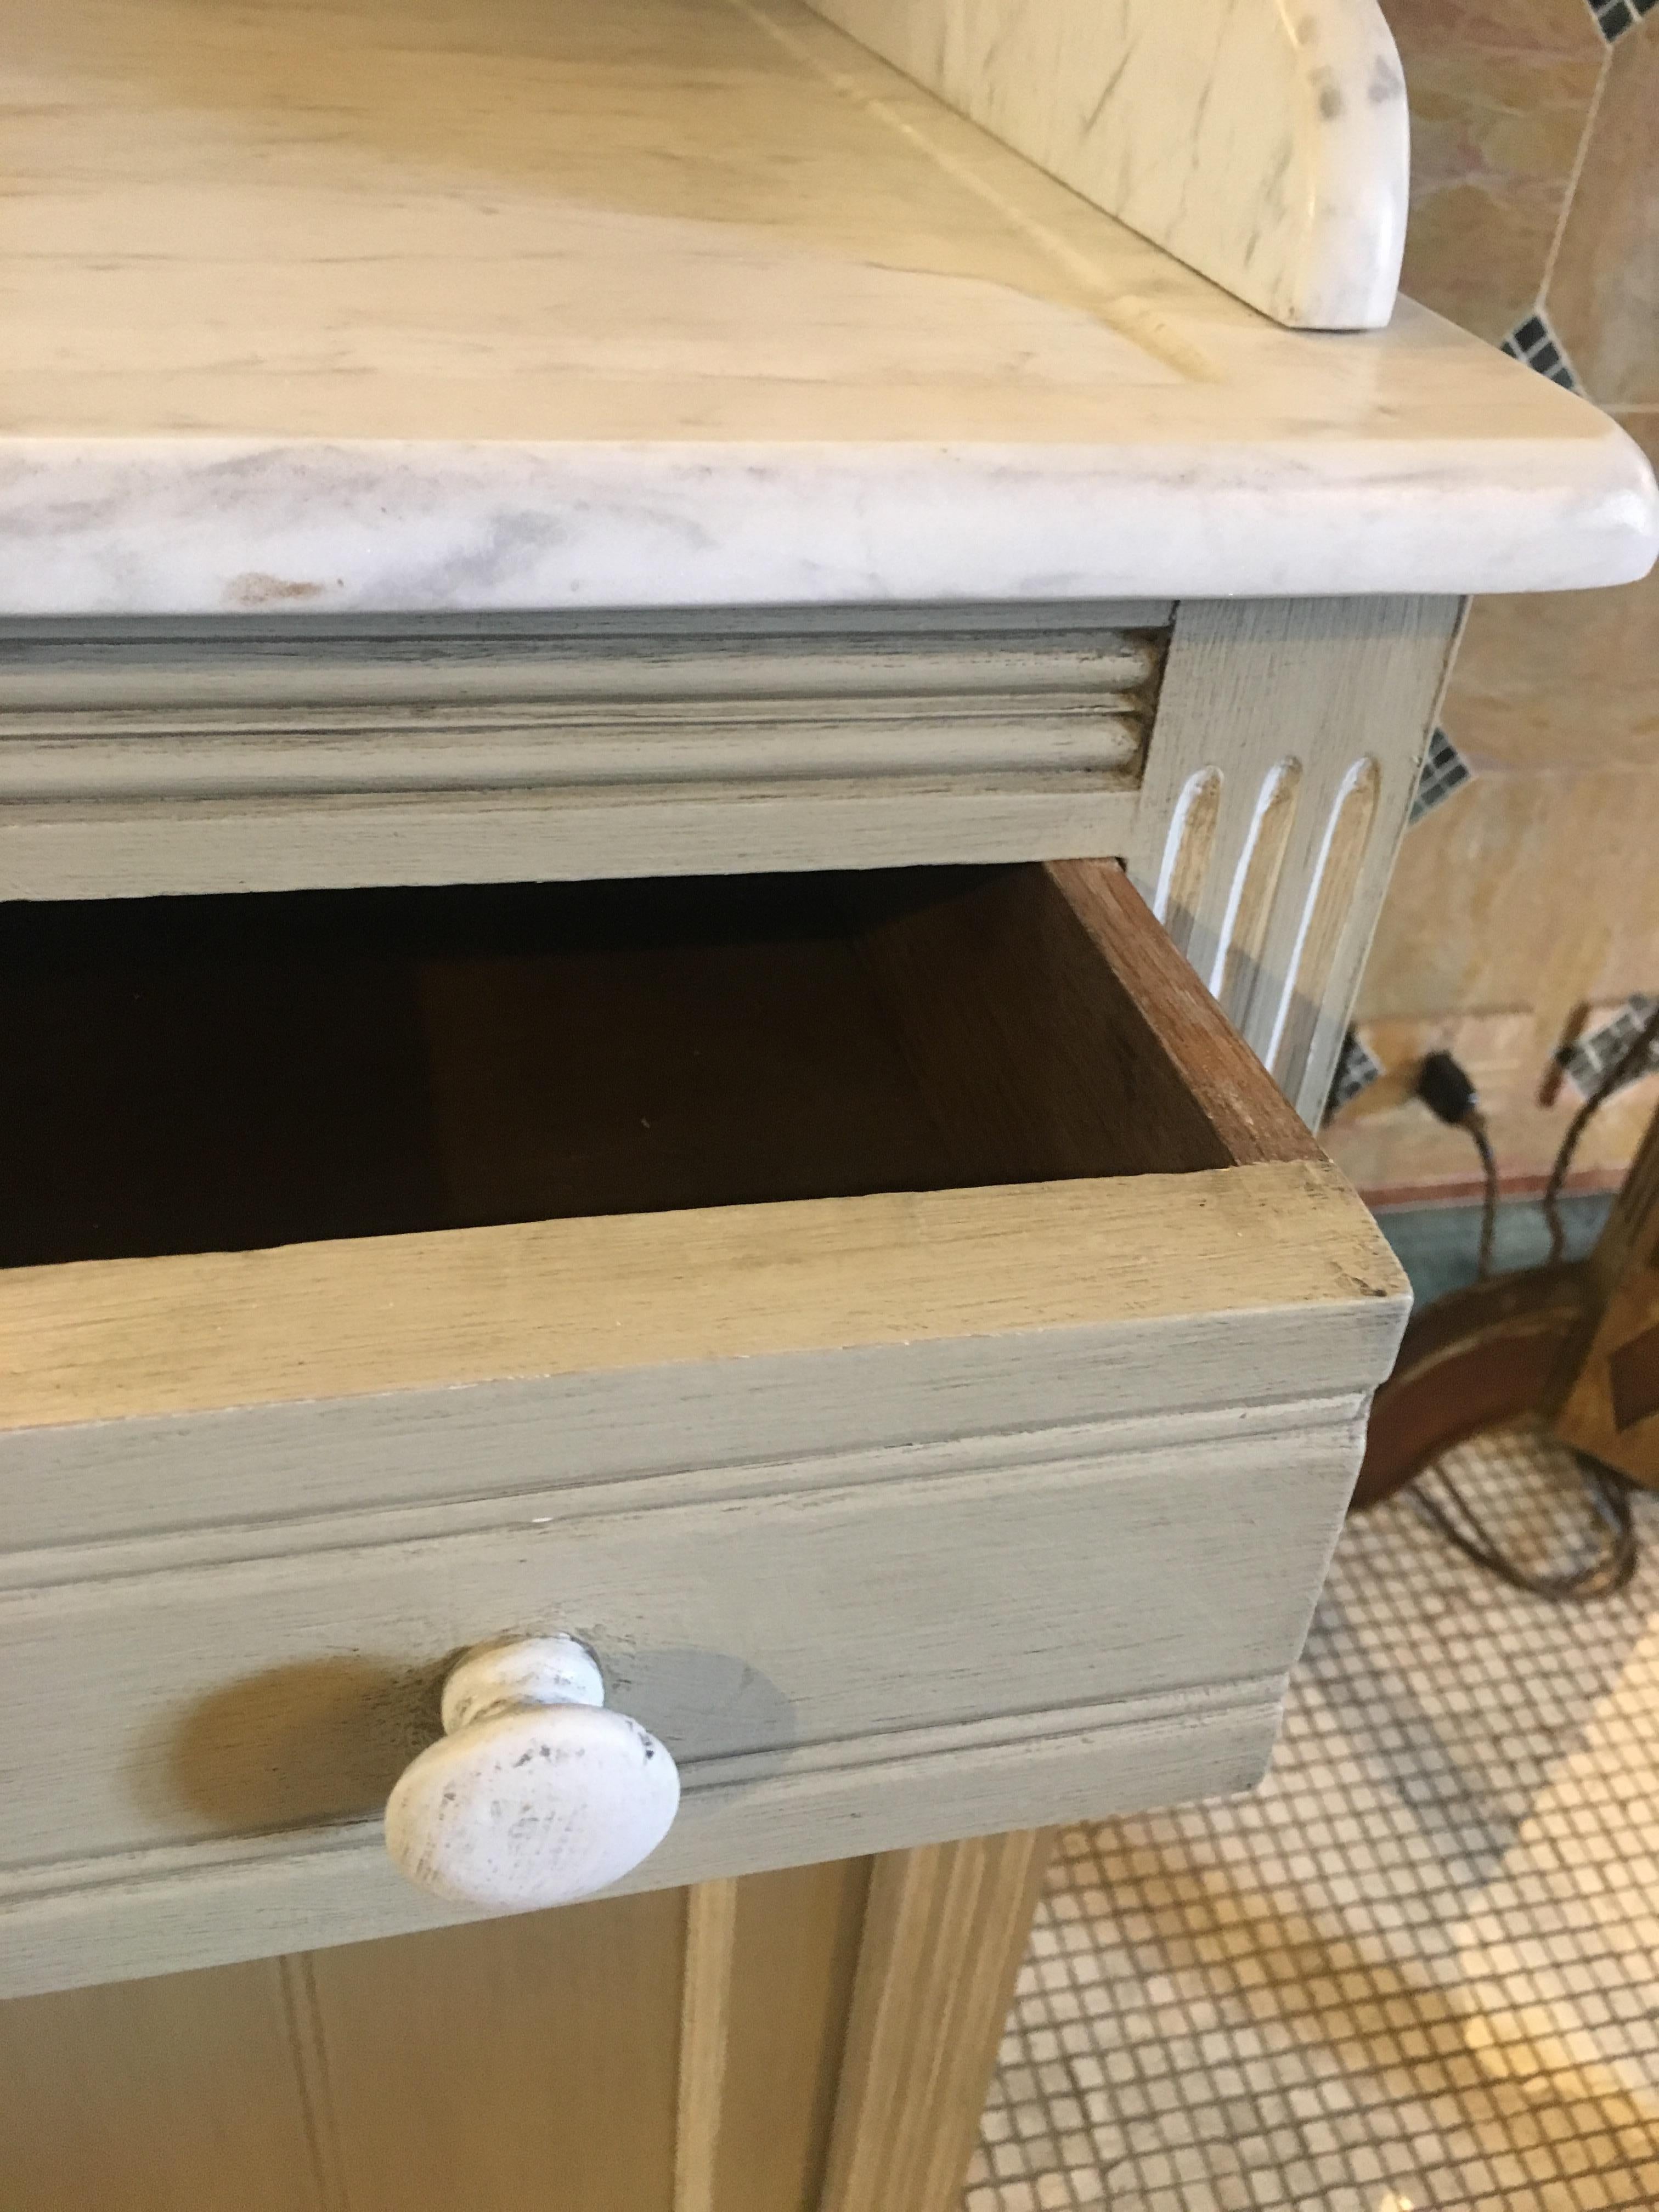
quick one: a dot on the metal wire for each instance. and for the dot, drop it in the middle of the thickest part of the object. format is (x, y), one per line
(1609, 1497)
(1476, 1122)
(1608, 1494)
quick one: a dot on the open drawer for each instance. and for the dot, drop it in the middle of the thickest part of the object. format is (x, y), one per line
(891, 1318)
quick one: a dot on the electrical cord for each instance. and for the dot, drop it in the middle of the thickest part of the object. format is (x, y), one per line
(1476, 1122)
(1446, 1089)
(1609, 1496)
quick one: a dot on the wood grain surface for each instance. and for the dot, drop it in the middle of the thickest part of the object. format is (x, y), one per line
(256, 1500)
(711, 1923)
(1610, 1408)
(944, 1933)
(1288, 732)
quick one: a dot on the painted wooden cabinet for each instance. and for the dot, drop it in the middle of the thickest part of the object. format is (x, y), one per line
(693, 773)
(886, 1311)
(850, 1301)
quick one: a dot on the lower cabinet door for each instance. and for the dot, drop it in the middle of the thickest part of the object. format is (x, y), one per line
(818, 2039)
(531, 2062)
(890, 1319)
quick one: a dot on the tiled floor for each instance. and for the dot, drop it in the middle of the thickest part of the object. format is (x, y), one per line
(1420, 1968)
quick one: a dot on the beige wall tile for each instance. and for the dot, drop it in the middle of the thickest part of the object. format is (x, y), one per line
(1534, 890)
(1499, 92)
(1537, 888)
(1403, 1152)
(1567, 679)
(1523, 891)
(1604, 294)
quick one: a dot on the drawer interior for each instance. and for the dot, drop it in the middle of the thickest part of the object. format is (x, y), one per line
(199, 1074)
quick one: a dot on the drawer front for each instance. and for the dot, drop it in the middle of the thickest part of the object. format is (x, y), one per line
(896, 1516)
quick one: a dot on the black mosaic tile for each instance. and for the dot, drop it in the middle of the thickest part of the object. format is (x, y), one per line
(1614, 17)
(1585, 1063)
(1357, 1068)
(1534, 343)
(1445, 771)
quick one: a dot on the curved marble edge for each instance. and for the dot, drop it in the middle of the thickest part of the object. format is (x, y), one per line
(1266, 146)
(174, 527)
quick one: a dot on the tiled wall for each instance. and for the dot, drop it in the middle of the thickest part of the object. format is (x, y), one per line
(1533, 890)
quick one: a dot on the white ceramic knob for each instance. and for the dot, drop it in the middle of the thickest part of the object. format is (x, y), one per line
(535, 1795)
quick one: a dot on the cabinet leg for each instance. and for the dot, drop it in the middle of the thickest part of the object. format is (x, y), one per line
(711, 1917)
(944, 1931)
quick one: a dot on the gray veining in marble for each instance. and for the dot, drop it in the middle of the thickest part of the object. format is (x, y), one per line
(419, 304)
(1266, 147)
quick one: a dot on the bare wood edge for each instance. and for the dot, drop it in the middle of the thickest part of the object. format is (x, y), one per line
(1306, 221)
(1046, 1018)
(711, 1919)
(1630, 1229)
(1252, 1120)
(115, 1340)
(945, 1929)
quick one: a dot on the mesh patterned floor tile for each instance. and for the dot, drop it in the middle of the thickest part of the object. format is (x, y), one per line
(1420, 1967)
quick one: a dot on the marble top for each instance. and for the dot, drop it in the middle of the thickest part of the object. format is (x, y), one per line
(475, 304)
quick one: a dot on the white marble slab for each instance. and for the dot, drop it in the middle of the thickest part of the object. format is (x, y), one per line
(477, 304)
(1269, 147)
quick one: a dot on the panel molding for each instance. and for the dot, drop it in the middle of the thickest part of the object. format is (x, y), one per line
(161, 1912)
(197, 757)
(711, 1927)
(100, 1565)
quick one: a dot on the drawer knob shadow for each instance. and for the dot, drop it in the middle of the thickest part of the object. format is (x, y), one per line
(536, 1794)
